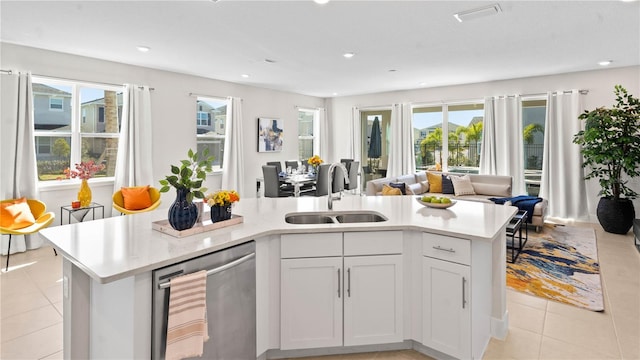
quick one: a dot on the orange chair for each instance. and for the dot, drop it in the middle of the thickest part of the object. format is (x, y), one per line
(42, 220)
(118, 202)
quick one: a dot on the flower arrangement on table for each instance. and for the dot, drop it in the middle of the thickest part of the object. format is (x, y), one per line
(84, 171)
(315, 161)
(220, 203)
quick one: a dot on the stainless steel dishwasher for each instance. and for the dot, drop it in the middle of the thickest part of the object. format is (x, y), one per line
(231, 303)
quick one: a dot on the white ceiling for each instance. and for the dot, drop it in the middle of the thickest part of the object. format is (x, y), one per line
(420, 40)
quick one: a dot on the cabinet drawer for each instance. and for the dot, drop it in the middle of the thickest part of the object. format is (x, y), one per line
(446, 248)
(372, 243)
(310, 245)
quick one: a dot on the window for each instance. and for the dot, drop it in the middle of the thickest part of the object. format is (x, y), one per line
(55, 104)
(533, 125)
(375, 140)
(84, 126)
(459, 151)
(307, 130)
(211, 117)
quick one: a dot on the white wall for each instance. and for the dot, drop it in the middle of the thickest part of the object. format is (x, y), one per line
(173, 114)
(599, 83)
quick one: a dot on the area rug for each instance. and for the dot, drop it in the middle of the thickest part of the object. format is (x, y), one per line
(560, 264)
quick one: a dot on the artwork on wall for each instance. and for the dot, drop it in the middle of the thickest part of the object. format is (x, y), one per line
(270, 134)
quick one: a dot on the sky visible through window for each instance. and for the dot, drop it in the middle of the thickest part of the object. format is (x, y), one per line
(461, 117)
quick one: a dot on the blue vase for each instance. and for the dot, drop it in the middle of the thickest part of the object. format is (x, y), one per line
(182, 213)
(220, 213)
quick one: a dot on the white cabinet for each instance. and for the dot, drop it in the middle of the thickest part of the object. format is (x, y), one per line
(446, 307)
(373, 299)
(311, 303)
(319, 289)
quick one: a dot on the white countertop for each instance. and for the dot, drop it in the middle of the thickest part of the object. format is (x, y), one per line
(122, 246)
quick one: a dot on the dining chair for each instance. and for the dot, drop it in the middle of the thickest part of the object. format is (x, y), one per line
(338, 180)
(277, 164)
(272, 186)
(353, 168)
(291, 163)
(137, 199)
(23, 217)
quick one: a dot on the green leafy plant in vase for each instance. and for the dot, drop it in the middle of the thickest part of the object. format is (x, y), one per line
(187, 179)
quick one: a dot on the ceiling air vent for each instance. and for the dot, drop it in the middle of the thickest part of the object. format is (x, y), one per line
(478, 13)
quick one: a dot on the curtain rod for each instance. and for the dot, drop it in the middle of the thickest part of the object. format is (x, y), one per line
(8, 72)
(207, 96)
(84, 81)
(582, 91)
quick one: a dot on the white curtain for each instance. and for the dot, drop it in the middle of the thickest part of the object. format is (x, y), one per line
(502, 149)
(233, 163)
(562, 173)
(401, 152)
(355, 143)
(18, 162)
(135, 153)
(323, 133)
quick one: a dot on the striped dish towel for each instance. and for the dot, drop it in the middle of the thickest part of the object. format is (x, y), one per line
(187, 322)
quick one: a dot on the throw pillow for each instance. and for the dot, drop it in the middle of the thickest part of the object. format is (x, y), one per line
(401, 186)
(16, 214)
(435, 182)
(415, 189)
(136, 198)
(388, 190)
(462, 185)
(425, 186)
(447, 184)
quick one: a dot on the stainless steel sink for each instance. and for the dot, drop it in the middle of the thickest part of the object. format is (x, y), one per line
(302, 218)
(363, 217)
(332, 217)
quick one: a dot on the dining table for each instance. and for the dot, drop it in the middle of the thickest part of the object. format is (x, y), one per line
(298, 180)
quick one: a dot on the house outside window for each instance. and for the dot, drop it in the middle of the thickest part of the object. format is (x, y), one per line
(307, 133)
(74, 132)
(211, 117)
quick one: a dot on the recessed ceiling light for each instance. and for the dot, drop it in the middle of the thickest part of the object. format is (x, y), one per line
(605, 63)
(143, 48)
(334, 94)
(478, 13)
(321, 2)
(422, 84)
(245, 75)
(349, 55)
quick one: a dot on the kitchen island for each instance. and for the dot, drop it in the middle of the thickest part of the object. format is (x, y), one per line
(107, 266)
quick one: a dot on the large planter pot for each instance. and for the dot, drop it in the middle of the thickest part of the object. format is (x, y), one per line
(616, 216)
(183, 214)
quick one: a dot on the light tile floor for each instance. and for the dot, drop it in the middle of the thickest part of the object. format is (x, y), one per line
(31, 313)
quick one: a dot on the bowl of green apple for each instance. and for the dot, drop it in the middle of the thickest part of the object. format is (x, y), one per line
(438, 202)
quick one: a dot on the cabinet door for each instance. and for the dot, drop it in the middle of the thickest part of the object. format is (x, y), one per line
(372, 299)
(311, 303)
(446, 307)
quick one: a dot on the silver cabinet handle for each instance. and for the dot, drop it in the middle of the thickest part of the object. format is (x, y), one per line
(338, 282)
(438, 247)
(464, 300)
(349, 282)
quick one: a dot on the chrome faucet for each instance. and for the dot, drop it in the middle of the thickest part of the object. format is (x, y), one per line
(330, 182)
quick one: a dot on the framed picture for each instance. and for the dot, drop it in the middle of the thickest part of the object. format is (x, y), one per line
(270, 134)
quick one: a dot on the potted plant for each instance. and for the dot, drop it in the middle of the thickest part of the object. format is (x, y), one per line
(187, 179)
(611, 149)
(220, 203)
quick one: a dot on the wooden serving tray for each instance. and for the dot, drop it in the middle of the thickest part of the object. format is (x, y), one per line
(200, 227)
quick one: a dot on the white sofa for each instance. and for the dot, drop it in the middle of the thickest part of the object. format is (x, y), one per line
(485, 187)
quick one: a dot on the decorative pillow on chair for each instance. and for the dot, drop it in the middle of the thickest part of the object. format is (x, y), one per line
(447, 184)
(16, 214)
(435, 182)
(401, 186)
(136, 198)
(462, 185)
(388, 190)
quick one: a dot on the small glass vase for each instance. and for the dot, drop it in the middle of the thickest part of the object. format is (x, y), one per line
(220, 213)
(84, 195)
